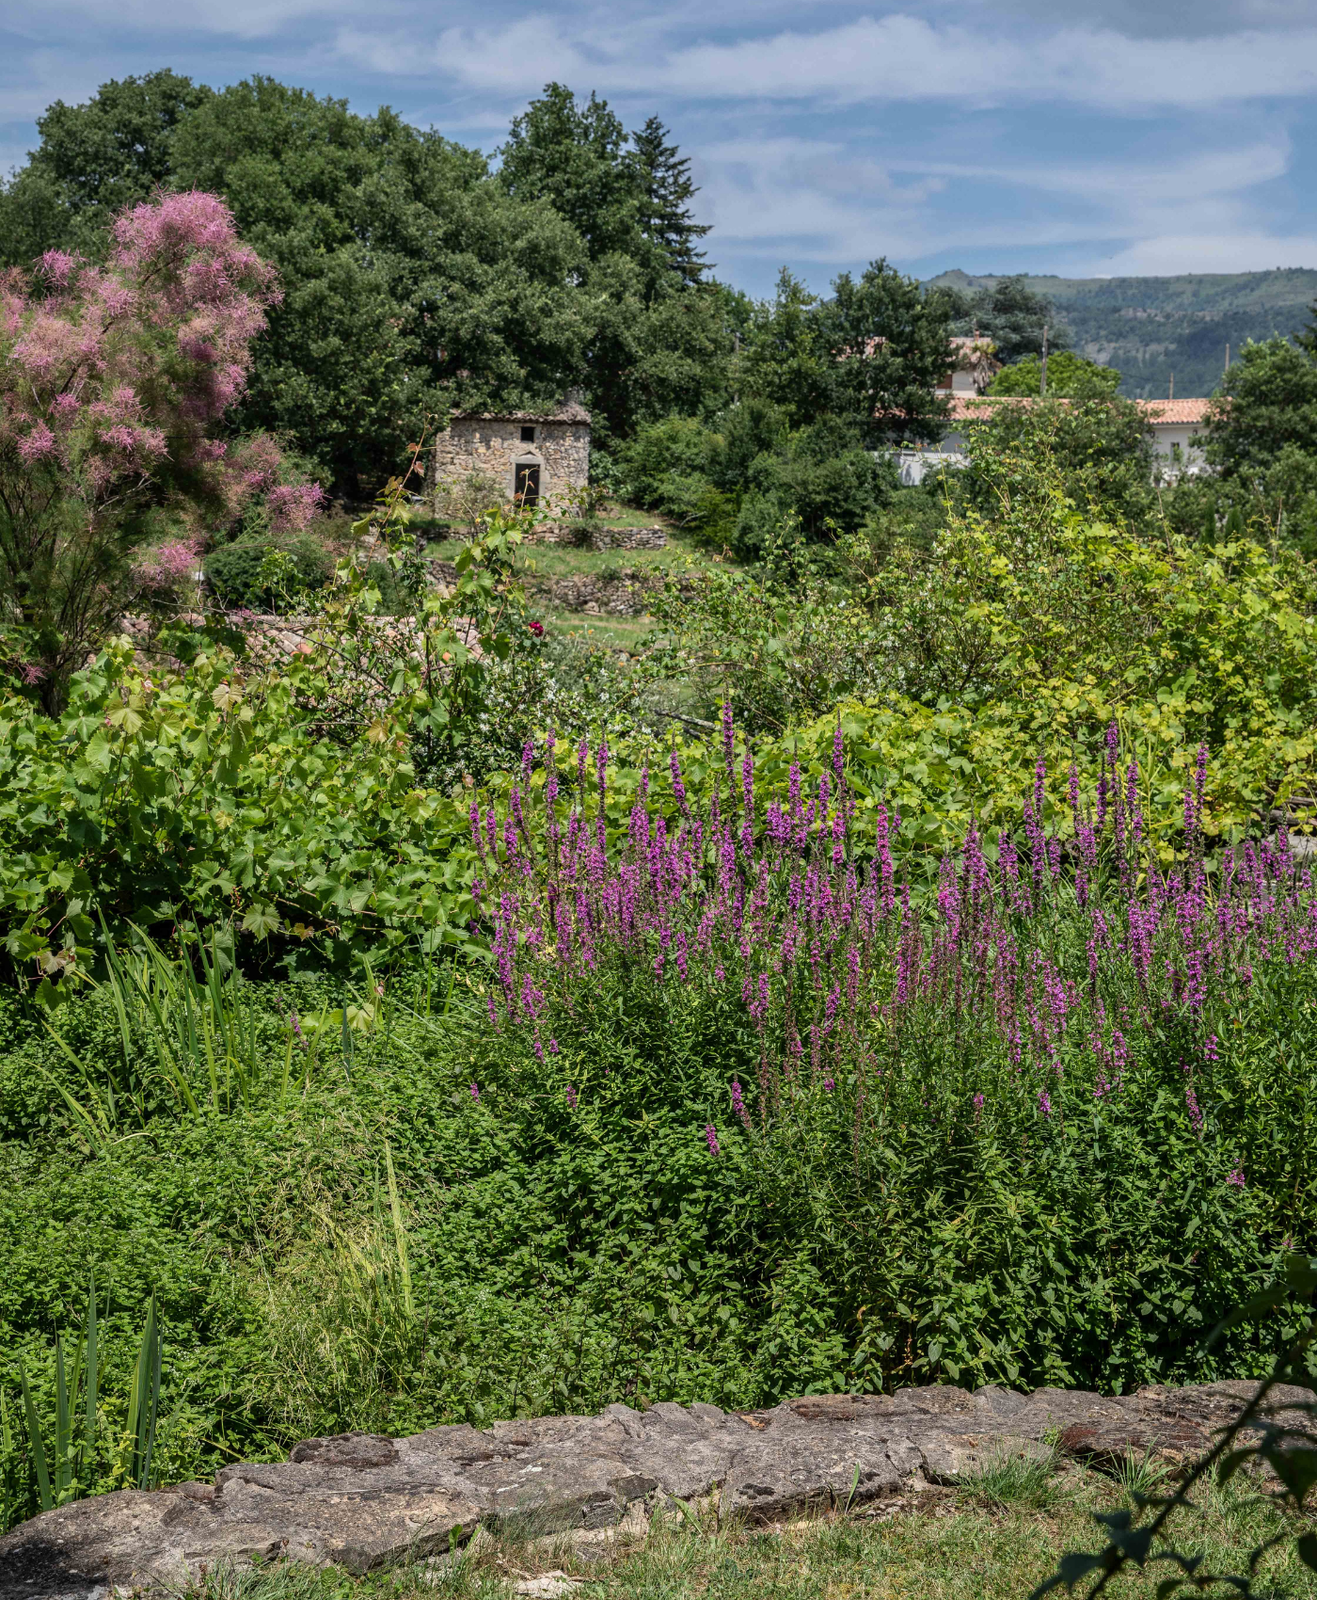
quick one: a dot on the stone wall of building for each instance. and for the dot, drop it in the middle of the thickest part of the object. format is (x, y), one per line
(493, 447)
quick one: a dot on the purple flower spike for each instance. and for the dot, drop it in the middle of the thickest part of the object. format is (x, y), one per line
(711, 1137)
(1045, 1102)
(571, 1098)
(475, 1092)
(1236, 1178)
(678, 787)
(979, 1101)
(738, 1103)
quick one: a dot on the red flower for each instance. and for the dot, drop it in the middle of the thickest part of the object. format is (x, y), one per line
(537, 628)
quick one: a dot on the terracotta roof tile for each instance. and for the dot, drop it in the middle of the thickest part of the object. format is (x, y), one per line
(1175, 410)
(965, 406)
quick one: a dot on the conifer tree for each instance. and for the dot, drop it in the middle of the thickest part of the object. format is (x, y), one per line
(665, 194)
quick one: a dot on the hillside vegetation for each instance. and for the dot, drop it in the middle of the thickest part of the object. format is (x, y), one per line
(1151, 328)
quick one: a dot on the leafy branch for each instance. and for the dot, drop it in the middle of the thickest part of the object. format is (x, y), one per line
(1288, 1449)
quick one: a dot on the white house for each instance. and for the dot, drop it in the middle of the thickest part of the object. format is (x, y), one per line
(1174, 424)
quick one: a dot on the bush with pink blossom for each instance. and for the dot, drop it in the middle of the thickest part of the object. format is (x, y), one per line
(113, 380)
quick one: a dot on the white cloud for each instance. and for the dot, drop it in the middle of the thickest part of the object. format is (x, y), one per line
(240, 19)
(896, 57)
(1242, 251)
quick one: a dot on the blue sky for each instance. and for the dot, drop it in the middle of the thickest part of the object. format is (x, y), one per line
(1093, 138)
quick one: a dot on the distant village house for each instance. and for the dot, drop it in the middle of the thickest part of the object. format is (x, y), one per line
(975, 366)
(533, 456)
(1174, 424)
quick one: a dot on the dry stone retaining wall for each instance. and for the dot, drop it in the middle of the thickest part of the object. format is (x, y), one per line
(364, 1501)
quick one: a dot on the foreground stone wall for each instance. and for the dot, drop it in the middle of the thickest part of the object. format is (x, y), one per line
(625, 595)
(604, 538)
(363, 1501)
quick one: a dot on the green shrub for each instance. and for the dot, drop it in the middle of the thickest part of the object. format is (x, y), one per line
(263, 574)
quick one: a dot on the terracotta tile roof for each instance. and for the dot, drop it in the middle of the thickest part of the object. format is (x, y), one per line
(965, 406)
(1175, 410)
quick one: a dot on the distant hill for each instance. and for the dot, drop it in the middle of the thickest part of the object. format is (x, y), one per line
(1149, 328)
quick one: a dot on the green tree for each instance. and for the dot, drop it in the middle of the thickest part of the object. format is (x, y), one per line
(666, 191)
(1267, 400)
(93, 160)
(1097, 452)
(651, 357)
(412, 283)
(1262, 439)
(575, 156)
(883, 345)
(1013, 315)
(1069, 377)
(779, 360)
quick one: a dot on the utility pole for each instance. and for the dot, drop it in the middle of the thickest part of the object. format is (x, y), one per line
(1171, 396)
(1227, 358)
(1042, 377)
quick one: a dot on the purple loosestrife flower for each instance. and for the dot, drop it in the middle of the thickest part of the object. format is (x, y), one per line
(738, 1103)
(1236, 1178)
(678, 787)
(553, 1047)
(297, 1026)
(837, 752)
(729, 750)
(747, 801)
(1195, 1115)
(1209, 1049)
(644, 780)
(1045, 1102)
(978, 1105)
(571, 1098)
(475, 1092)
(711, 1138)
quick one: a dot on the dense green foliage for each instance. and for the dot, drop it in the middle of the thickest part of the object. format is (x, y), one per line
(413, 279)
(357, 1204)
(1099, 447)
(411, 1033)
(1262, 440)
(1011, 314)
(1069, 377)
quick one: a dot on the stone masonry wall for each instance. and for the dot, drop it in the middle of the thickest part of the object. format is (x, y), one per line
(493, 446)
(362, 1501)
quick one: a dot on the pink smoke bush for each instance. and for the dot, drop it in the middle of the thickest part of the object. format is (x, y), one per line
(112, 377)
(170, 566)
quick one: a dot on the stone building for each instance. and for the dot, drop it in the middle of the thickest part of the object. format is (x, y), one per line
(533, 456)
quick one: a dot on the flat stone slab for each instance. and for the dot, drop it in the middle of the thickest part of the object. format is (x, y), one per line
(362, 1501)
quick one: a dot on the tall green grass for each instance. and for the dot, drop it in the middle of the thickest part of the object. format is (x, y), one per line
(52, 1458)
